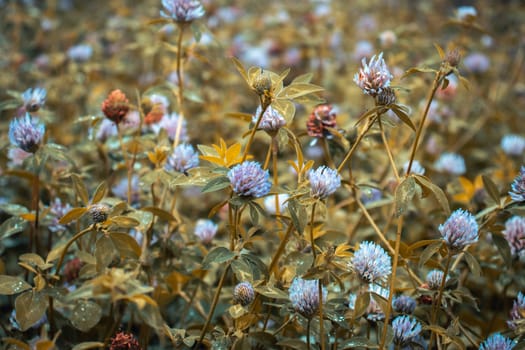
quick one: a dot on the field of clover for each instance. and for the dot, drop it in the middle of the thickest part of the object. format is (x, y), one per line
(186, 174)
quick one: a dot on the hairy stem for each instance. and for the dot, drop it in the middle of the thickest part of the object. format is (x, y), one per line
(264, 107)
(437, 302)
(321, 323)
(180, 82)
(388, 150)
(354, 146)
(312, 216)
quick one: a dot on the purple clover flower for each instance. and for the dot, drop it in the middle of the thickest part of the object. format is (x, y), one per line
(497, 342)
(248, 179)
(417, 168)
(371, 195)
(34, 99)
(206, 229)
(404, 304)
(477, 62)
(460, 230)
(323, 182)
(513, 145)
(243, 294)
(514, 233)
(371, 262)
(434, 279)
(183, 158)
(374, 76)
(451, 163)
(271, 121)
(182, 10)
(406, 329)
(516, 313)
(169, 123)
(26, 133)
(517, 192)
(304, 295)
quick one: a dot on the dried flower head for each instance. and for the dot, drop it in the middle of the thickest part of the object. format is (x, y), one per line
(248, 179)
(323, 182)
(517, 311)
(99, 212)
(517, 192)
(434, 279)
(452, 57)
(206, 229)
(321, 118)
(497, 342)
(406, 329)
(262, 84)
(417, 168)
(183, 158)
(26, 133)
(404, 304)
(272, 120)
(371, 262)
(34, 99)
(514, 233)
(243, 294)
(182, 11)
(72, 269)
(374, 76)
(386, 97)
(304, 295)
(460, 230)
(124, 341)
(513, 145)
(451, 163)
(115, 106)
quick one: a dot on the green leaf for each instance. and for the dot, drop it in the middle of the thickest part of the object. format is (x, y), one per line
(473, 264)
(216, 184)
(85, 315)
(298, 89)
(80, 188)
(358, 342)
(292, 343)
(125, 221)
(13, 209)
(241, 70)
(272, 292)
(401, 113)
(58, 152)
(30, 308)
(286, 108)
(491, 188)
(303, 78)
(126, 245)
(217, 255)
(105, 252)
(298, 214)
(10, 285)
(404, 194)
(73, 214)
(12, 226)
(435, 190)
(361, 304)
(161, 213)
(242, 270)
(429, 251)
(418, 70)
(503, 248)
(100, 192)
(88, 345)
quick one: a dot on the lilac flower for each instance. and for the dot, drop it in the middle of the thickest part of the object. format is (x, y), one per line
(271, 121)
(169, 123)
(371, 262)
(80, 53)
(404, 304)
(451, 163)
(182, 10)
(304, 295)
(434, 279)
(34, 99)
(58, 210)
(374, 313)
(406, 329)
(460, 230)
(373, 77)
(517, 192)
(370, 195)
(514, 233)
(417, 168)
(466, 12)
(513, 145)
(206, 229)
(248, 179)
(26, 133)
(477, 62)
(323, 182)
(269, 203)
(120, 189)
(497, 342)
(517, 311)
(243, 294)
(183, 158)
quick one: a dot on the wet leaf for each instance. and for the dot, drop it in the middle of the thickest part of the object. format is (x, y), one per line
(151, 316)
(217, 255)
(32, 259)
(13, 209)
(124, 221)
(30, 308)
(10, 285)
(358, 342)
(126, 245)
(435, 190)
(85, 315)
(105, 252)
(100, 192)
(242, 270)
(404, 194)
(72, 215)
(361, 304)
(88, 345)
(80, 188)
(11, 226)
(298, 214)
(292, 343)
(56, 152)
(216, 184)
(237, 311)
(272, 292)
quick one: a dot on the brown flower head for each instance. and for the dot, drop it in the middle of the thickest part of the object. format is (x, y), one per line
(115, 106)
(124, 341)
(322, 117)
(72, 269)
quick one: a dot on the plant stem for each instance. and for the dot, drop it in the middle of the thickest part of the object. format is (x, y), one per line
(437, 302)
(264, 107)
(69, 243)
(126, 161)
(35, 199)
(321, 323)
(308, 334)
(180, 91)
(327, 155)
(388, 150)
(354, 146)
(280, 250)
(312, 216)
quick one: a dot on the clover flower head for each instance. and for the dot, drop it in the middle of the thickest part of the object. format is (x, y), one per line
(243, 294)
(182, 11)
(497, 342)
(123, 341)
(477, 62)
(169, 123)
(206, 229)
(406, 329)
(514, 233)
(183, 158)
(272, 120)
(517, 311)
(417, 168)
(434, 279)
(26, 133)
(80, 53)
(371, 262)
(513, 145)
(517, 189)
(323, 182)
(304, 295)
(248, 179)
(34, 99)
(370, 195)
(120, 189)
(404, 304)
(322, 117)
(115, 106)
(459, 230)
(99, 212)
(374, 76)
(451, 163)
